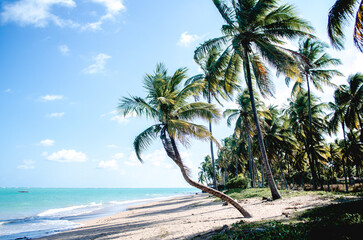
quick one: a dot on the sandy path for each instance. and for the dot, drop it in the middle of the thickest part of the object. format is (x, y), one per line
(183, 217)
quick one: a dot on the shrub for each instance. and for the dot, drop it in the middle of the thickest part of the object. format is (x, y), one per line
(237, 182)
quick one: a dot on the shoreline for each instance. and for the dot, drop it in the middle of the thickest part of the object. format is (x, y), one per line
(57, 219)
(184, 217)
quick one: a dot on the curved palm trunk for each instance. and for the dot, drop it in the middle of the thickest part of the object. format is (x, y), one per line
(211, 147)
(310, 140)
(172, 151)
(271, 182)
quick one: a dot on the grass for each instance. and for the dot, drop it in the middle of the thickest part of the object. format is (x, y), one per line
(338, 221)
(240, 194)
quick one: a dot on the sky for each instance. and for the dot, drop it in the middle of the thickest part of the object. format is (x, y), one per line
(64, 65)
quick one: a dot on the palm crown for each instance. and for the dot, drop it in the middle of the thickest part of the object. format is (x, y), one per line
(166, 102)
(339, 14)
(258, 27)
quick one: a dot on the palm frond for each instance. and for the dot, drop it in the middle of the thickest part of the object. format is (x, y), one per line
(144, 139)
(181, 130)
(340, 12)
(136, 105)
(200, 110)
(358, 28)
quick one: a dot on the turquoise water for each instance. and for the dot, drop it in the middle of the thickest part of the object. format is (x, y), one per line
(35, 212)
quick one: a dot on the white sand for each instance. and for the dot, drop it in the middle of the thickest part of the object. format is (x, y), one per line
(184, 217)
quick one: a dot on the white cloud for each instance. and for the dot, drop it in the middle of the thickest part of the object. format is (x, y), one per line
(186, 39)
(51, 97)
(55, 115)
(99, 64)
(39, 13)
(64, 49)
(133, 160)
(36, 12)
(113, 8)
(120, 118)
(352, 62)
(111, 164)
(27, 164)
(157, 158)
(67, 156)
(7, 90)
(47, 142)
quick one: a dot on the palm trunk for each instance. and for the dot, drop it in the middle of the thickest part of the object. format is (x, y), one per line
(282, 172)
(271, 182)
(172, 151)
(361, 127)
(257, 176)
(262, 174)
(211, 146)
(250, 161)
(310, 139)
(345, 173)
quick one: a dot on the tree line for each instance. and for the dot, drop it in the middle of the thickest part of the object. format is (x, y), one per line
(252, 42)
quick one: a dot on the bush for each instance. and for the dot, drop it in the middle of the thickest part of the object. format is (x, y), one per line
(237, 182)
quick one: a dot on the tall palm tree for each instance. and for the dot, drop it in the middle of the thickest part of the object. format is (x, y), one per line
(339, 15)
(244, 123)
(167, 103)
(255, 30)
(336, 118)
(351, 96)
(217, 82)
(300, 119)
(313, 63)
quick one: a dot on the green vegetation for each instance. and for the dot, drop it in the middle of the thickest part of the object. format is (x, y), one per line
(340, 13)
(337, 221)
(237, 182)
(282, 147)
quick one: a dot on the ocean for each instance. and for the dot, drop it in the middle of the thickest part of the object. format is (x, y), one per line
(36, 212)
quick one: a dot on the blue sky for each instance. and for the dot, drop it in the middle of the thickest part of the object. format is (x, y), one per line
(64, 64)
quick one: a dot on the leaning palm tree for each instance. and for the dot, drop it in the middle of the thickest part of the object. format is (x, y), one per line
(313, 63)
(167, 103)
(339, 14)
(217, 82)
(254, 31)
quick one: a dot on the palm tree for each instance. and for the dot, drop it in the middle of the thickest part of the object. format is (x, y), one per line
(351, 96)
(278, 138)
(336, 118)
(255, 30)
(244, 123)
(206, 171)
(299, 116)
(339, 14)
(167, 103)
(217, 82)
(312, 62)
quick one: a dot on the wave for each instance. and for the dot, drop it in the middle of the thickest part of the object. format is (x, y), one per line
(54, 220)
(71, 211)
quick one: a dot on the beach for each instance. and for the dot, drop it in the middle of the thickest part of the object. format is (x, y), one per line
(185, 217)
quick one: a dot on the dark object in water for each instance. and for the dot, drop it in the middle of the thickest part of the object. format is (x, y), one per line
(23, 191)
